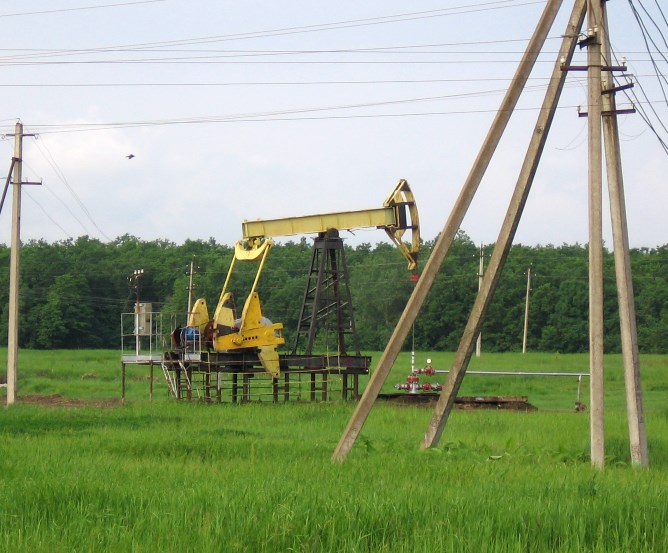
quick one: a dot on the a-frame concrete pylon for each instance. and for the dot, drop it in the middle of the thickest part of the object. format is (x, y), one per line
(508, 228)
(447, 235)
(598, 28)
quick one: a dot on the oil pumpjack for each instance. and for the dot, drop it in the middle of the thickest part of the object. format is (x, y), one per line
(229, 342)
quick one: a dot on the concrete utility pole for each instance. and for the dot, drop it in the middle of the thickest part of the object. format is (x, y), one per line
(594, 63)
(191, 287)
(135, 282)
(481, 273)
(526, 312)
(627, 313)
(13, 323)
(446, 237)
(14, 265)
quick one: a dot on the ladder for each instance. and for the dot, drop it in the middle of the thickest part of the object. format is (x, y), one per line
(188, 382)
(171, 380)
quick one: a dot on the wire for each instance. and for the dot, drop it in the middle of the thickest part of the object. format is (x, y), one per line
(660, 78)
(272, 83)
(654, 23)
(646, 39)
(81, 8)
(409, 16)
(46, 153)
(46, 213)
(279, 115)
(419, 49)
(262, 83)
(211, 60)
(35, 58)
(658, 7)
(48, 189)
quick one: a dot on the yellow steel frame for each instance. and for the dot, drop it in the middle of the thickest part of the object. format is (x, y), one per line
(398, 214)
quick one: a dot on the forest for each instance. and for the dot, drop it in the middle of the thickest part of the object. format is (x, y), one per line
(72, 292)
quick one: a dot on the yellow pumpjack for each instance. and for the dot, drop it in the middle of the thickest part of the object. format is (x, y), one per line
(225, 333)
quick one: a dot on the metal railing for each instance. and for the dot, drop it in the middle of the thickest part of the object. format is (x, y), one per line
(142, 337)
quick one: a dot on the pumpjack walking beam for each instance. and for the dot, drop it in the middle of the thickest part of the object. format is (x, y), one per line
(398, 214)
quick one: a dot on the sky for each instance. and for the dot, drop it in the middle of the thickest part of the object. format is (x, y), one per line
(262, 109)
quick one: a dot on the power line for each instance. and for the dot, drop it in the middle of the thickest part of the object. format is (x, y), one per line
(660, 77)
(211, 60)
(138, 48)
(217, 54)
(80, 8)
(258, 83)
(658, 7)
(649, 15)
(40, 52)
(409, 16)
(57, 129)
(46, 213)
(288, 115)
(647, 38)
(275, 83)
(46, 153)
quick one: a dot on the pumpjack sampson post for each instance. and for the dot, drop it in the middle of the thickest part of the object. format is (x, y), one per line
(326, 302)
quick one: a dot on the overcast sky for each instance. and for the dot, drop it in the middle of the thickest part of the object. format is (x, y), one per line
(263, 109)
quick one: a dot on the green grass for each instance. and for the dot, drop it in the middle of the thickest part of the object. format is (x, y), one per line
(179, 476)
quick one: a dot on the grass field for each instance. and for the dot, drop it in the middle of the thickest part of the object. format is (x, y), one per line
(179, 476)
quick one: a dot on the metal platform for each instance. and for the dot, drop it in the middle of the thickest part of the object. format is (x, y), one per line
(141, 359)
(239, 377)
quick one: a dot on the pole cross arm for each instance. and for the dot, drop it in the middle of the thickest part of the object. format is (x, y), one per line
(609, 112)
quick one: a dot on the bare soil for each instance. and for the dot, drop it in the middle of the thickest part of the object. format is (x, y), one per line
(56, 400)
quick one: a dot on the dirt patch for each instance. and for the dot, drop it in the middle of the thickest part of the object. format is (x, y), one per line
(56, 400)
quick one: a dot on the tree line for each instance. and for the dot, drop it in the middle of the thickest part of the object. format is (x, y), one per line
(72, 292)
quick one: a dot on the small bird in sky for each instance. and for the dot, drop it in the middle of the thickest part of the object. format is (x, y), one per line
(130, 156)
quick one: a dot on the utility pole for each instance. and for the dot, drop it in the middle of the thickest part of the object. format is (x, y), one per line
(14, 266)
(135, 282)
(481, 269)
(602, 112)
(191, 287)
(526, 312)
(627, 313)
(594, 67)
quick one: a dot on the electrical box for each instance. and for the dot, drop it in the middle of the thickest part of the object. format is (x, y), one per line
(145, 319)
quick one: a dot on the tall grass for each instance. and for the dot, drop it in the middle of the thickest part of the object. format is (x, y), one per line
(168, 476)
(189, 477)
